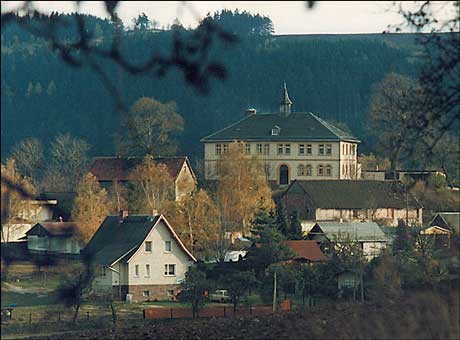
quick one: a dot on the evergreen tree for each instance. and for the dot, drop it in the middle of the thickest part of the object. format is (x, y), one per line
(295, 228)
(281, 219)
(268, 241)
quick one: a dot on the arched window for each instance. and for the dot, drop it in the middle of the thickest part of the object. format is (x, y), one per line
(320, 170)
(308, 170)
(300, 170)
(284, 175)
(328, 170)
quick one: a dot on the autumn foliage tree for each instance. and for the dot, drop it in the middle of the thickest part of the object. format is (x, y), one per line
(91, 206)
(152, 185)
(242, 189)
(13, 202)
(195, 219)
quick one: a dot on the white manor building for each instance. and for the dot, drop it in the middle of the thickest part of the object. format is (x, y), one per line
(292, 145)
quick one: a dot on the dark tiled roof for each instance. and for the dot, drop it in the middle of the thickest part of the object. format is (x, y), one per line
(118, 168)
(354, 194)
(63, 229)
(298, 126)
(307, 249)
(114, 240)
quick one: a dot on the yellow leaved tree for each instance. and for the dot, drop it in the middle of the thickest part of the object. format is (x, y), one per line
(91, 206)
(242, 188)
(152, 185)
(195, 219)
(17, 192)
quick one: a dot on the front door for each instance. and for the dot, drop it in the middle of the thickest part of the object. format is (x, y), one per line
(284, 175)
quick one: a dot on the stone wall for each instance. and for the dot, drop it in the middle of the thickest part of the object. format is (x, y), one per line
(156, 292)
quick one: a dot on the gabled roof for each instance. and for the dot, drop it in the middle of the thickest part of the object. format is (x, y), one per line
(354, 194)
(451, 220)
(298, 126)
(118, 168)
(306, 250)
(115, 240)
(53, 229)
(362, 231)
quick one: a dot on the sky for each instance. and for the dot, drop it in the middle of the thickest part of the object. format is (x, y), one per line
(289, 17)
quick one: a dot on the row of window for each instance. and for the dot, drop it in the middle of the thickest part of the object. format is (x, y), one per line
(264, 149)
(348, 149)
(348, 170)
(148, 246)
(170, 270)
(146, 293)
(308, 170)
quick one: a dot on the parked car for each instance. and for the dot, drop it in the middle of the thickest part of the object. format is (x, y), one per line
(220, 295)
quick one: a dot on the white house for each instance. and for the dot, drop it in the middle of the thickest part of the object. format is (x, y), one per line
(138, 257)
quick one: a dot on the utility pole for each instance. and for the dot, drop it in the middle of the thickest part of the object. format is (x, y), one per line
(274, 293)
(407, 207)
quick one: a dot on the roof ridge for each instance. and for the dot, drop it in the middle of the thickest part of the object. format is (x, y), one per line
(227, 127)
(328, 125)
(133, 157)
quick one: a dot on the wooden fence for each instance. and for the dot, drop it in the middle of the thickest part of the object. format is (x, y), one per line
(225, 311)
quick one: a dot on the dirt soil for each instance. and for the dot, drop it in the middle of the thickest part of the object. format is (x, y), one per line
(422, 316)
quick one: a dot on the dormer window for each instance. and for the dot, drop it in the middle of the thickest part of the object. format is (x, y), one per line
(276, 130)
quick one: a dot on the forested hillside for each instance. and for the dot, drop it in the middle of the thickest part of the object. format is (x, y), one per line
(331, 75)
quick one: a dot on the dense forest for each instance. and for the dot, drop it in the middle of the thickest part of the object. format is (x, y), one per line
(331, 75)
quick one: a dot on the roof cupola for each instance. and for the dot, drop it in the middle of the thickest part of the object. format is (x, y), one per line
(285, 105)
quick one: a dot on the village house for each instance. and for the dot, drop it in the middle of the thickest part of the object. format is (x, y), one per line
(369, 236)
(138, 258)
(109, 170)
(384, 202)
(39, 210)
(291, 145)
(57, 238)
(443, 227)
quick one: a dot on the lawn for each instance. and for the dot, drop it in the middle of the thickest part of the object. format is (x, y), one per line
(28, 299)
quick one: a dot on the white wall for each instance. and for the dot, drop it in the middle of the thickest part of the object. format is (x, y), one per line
(157, 259)
(293, 160)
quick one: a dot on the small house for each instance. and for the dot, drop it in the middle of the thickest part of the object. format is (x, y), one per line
(109, 170)
(138, 257)
(53, 237)
(370, 237)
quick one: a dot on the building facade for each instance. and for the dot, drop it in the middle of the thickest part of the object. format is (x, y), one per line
(291, 145)
(138, 258)
(111, 170)
(385, 202)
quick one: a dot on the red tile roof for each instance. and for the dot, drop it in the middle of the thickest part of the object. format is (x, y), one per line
(307, 249)
(118, 168)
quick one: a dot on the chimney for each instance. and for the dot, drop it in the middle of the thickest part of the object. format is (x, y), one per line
(122, 215)
(250, 111)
